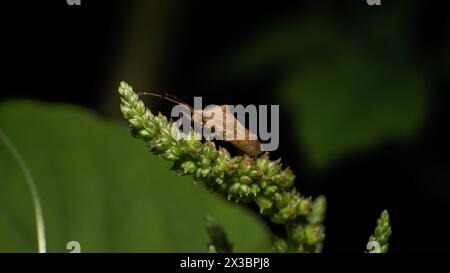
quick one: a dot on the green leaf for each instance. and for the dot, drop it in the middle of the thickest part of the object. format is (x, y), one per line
(353, 104)
(104, 189)
(348, 86)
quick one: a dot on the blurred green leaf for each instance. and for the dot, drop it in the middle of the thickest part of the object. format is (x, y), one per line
(101, 187)
(352, 104)
(348, 85)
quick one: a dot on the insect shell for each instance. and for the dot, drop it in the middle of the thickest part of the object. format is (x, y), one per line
(231, 128)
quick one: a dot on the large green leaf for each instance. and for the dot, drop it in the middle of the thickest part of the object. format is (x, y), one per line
(101, 187)
(352, 104)
(348, 86)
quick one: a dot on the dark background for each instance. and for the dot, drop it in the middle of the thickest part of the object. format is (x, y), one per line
(57, 53)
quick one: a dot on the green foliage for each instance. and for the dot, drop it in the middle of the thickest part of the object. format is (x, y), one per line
(347, 88)
(240, 178)
(352, 104)
(99, 187)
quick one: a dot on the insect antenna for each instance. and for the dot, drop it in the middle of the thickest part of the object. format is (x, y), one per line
(167, 97)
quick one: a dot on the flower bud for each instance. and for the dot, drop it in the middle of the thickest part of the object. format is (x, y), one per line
(263, 203)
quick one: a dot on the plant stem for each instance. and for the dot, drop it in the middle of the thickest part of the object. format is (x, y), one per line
(34, 193)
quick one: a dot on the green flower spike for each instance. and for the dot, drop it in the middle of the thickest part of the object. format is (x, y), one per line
(239, 178)
(379, 241)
